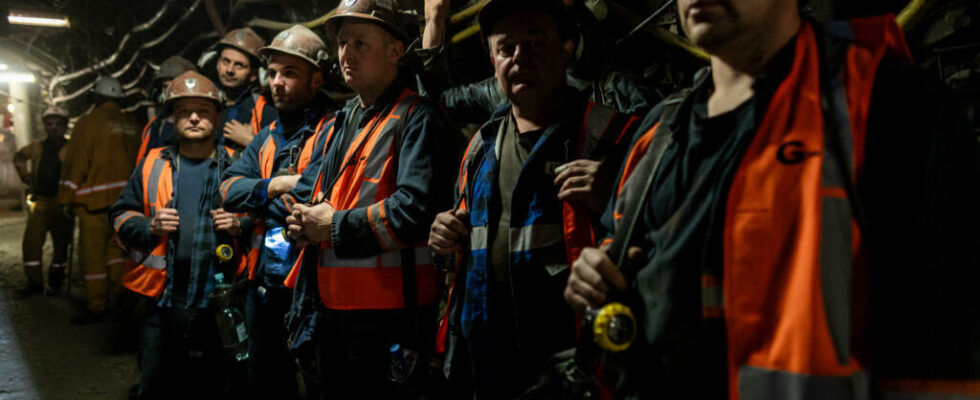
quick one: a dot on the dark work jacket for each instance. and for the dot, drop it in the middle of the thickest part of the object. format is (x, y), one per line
(918, 189)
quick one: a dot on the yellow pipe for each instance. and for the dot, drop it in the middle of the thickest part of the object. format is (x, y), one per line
(276, 25)
(913, 13)
(468, 12)
(659, 33)
(465, 33)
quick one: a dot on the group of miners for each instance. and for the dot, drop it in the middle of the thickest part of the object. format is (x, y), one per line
(807, 209)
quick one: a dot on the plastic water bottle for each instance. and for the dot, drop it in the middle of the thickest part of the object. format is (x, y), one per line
(402, 363)
(231, 322)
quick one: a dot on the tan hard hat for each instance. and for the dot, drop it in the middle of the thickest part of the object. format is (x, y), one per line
(172, 67)
(55, 111)
(298, 41)
(245, 40)
(192, 84)
(381, 12)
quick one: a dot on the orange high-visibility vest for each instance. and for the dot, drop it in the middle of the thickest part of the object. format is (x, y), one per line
(256, 120)
(373, 282)
(794, 281)
(146, 274)
(267, 157)
(145, 140)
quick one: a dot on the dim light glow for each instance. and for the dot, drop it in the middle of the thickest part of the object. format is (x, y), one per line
(21, 19)
(20, 77)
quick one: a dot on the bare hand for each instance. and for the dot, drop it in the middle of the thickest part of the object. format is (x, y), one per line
(165, 221)
(316, 221)
(226, 222)
(591, 277)
(447, 230)
(294, 228)
(578, 182)
(282, 184)
(239, 133)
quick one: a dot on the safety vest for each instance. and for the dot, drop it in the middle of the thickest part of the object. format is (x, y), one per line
(366, 180)
(145, 140)
(256, 120)
(794, 283)
(267, 157)
(571, 227)
(146, 274)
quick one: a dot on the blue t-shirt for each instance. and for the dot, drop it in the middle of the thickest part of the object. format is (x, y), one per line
(190, 179)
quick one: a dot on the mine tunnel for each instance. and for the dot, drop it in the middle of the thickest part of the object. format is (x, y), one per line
(489, 199)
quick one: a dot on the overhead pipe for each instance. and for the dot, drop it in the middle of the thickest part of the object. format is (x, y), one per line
(129, 64)
(112, 58)
(139, 78)
(468, 12)
(280, 26)
(214, 17)
(658, 32)
(913, 13)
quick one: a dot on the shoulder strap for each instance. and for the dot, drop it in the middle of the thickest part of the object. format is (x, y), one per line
(634, 203)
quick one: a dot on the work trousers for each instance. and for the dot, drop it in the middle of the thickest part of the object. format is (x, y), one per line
(45, 216)
(101, 260)
(354, 350)
(180, 355)
(271, 368)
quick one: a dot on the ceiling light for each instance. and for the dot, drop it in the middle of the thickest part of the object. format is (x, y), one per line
(19, 77)
(10, 108)
(20, 18)
(3, 67)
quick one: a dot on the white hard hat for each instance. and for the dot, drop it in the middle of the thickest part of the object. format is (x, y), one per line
(109, 87)
(55, 111)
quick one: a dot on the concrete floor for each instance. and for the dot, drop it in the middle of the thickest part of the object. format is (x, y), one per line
(42, 356)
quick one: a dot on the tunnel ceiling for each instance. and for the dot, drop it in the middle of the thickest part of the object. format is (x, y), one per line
(128, 38)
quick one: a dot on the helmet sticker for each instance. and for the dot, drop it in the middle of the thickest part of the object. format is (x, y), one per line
(349, 3)
(190, 83)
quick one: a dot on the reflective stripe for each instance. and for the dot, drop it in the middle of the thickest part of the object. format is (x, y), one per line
(391, 259)
(151, 190)
(226, 185)
(70, 184)
(125, 216)
(376, 216)
(712, 297)
(596, 120)
(835, 220)
(155, 261)
(31, 263)
(756, 383)
(117, 260)
(478, 238)
(533, 237)
(100, 188)
(59, 265)
(95, 277)
(152, 261)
